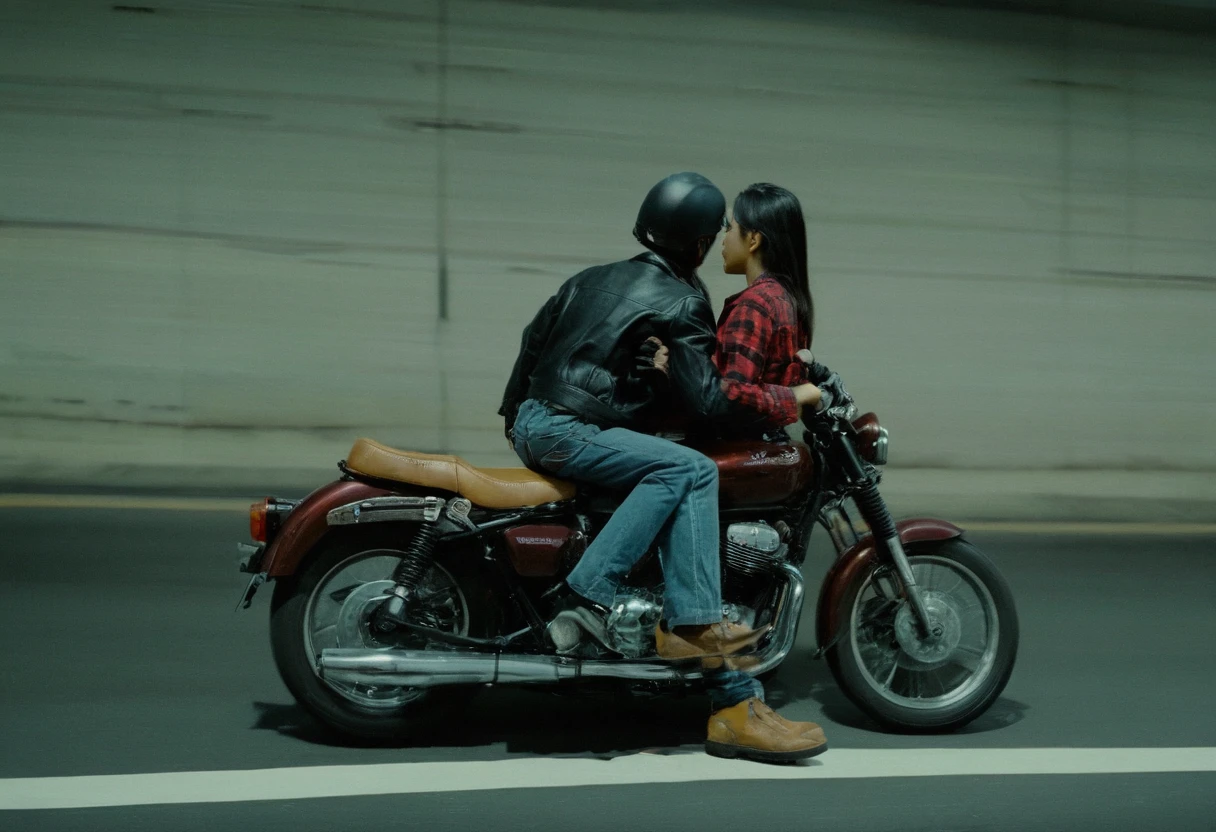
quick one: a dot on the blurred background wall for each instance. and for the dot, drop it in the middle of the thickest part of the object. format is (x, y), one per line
(234, 236)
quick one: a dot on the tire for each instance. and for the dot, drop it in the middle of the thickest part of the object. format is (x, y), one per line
(878, 629)
(364, 721)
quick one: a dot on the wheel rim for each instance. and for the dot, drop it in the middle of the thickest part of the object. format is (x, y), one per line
(944, 669)
(340, 607)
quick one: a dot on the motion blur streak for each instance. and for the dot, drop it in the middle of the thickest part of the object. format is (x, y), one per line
(223, 226)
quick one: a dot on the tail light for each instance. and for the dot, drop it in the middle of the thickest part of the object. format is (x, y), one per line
(267, 516)
(257, 520)
(871, 439)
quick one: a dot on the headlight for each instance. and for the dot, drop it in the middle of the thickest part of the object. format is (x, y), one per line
(872, 439)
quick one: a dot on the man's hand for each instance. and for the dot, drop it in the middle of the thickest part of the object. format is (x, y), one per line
(653, 355)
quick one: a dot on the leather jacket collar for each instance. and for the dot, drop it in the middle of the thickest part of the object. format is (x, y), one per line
(689, 279)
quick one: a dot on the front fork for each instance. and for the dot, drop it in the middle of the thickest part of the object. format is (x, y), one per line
(882, 525)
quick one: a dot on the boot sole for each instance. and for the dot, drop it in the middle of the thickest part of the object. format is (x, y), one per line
(686, 650)
(732, 752)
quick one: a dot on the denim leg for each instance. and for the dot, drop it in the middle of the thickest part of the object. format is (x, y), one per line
(669, 486)
(689, 551)
(543, 438)
(661, 477)
(728, 688)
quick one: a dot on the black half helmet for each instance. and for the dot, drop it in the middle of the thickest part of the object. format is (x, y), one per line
(679, 211)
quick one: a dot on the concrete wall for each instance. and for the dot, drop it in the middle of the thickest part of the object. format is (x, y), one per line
(222, 225)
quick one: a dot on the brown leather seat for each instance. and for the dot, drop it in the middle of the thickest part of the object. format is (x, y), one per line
(486, 487)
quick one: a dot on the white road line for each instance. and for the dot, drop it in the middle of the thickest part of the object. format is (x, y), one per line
(542, 772)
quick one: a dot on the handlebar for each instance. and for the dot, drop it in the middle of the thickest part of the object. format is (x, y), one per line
(845, 410)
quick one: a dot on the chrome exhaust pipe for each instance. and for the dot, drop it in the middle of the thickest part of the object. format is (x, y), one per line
(426, 668)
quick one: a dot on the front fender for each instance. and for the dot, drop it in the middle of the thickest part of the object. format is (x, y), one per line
(859, 559)
(307, 524)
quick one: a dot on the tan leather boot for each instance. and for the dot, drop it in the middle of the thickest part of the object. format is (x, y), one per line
(811, 730)
(754, 731)
(721, 639)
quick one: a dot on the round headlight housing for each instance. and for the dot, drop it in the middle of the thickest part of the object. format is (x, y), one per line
(872, 439)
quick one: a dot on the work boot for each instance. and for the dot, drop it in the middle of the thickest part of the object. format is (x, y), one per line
(702, 640)
(754, 731)
(810, 730)
(574, 615)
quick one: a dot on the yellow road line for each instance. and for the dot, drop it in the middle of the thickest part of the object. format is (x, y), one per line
(116, 501)
(1064, 527)
(216, 504)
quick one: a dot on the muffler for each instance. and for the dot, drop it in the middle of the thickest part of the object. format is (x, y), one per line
(431, 668)
(428, 668)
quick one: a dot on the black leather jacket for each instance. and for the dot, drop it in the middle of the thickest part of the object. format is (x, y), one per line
(579, 352)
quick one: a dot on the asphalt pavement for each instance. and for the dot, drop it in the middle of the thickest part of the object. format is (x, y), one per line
(123, 655)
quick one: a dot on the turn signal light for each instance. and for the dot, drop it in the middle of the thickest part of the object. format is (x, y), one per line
(257, 521)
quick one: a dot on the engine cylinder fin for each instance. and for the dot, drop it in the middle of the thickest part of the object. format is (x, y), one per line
(753, 549)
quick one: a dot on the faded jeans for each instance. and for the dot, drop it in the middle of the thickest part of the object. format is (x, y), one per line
(673, 499)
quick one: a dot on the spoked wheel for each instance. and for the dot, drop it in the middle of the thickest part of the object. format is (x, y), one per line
(331, 604)
(909, 680)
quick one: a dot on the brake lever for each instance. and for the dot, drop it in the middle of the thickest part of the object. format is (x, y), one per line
(837, 413)
(846, 412)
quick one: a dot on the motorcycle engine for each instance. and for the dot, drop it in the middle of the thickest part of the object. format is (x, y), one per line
(631, 623)
(637, 611)
(749, 551)
(752, 549)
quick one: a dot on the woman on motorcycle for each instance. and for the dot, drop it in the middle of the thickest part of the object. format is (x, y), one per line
(760, 331)
(762, 328)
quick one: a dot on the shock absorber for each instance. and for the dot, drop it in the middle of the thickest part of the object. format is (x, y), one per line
(874, 509)
(419, 557)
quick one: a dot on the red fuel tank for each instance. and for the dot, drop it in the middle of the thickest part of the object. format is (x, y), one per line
(756, 473)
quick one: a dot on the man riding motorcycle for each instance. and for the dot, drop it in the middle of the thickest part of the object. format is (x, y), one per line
(578, 407)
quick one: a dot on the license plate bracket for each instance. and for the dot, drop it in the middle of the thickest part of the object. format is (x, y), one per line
(255, 581)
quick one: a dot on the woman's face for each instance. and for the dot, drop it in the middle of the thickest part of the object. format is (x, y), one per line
(735, 249)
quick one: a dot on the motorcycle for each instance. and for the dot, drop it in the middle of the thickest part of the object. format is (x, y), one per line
(414, 576)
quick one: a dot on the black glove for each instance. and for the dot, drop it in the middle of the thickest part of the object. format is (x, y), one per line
(832, 392)
(646, 353)
(816, 372)
(644, 357)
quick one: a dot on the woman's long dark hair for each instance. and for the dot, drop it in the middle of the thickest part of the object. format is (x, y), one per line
(777, 215)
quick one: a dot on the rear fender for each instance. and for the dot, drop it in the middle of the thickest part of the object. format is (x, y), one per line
(859, 559)
(307, 524)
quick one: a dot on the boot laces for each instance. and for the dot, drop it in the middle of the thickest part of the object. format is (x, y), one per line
(768, 716)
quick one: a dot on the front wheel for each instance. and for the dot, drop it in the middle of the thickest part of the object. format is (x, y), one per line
(907, 681)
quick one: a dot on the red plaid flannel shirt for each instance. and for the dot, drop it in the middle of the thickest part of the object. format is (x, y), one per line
(759, 332)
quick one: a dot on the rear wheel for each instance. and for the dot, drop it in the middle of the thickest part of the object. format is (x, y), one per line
(330, 604)
(908, 681)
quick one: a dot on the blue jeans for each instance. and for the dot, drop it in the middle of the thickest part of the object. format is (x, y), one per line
(673, 499)
(730, 687)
